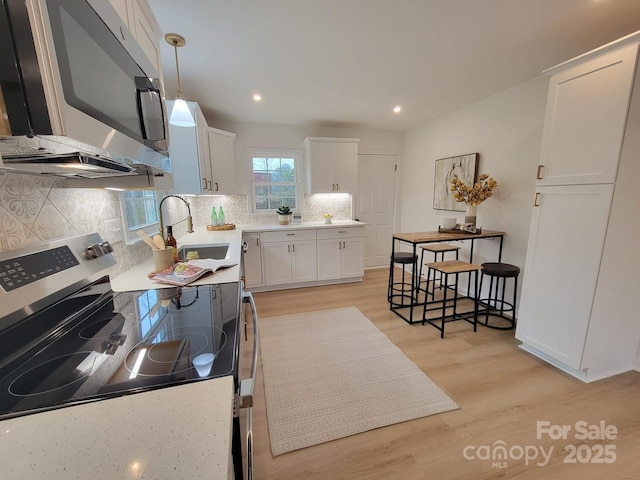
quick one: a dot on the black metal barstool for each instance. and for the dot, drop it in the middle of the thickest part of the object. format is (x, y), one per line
(499, 271)
(436, 248)
(446, 268)
(404, 259)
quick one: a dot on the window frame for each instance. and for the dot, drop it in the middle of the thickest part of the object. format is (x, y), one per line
(130, 234)
(297, 157)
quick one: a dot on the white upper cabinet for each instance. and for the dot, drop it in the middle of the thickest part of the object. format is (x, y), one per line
(331, 165)
(142, 24)
(223, 168)
(585, 120)
(189, 151)
(201, 157)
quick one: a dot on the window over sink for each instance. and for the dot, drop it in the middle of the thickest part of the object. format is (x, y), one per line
(274, 180)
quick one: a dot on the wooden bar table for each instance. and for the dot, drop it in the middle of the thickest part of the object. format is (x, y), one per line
(416, 238)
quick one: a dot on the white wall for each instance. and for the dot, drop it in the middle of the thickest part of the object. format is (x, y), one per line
(506, 129)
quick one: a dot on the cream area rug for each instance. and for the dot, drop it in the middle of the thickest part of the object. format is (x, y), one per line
(329, 374)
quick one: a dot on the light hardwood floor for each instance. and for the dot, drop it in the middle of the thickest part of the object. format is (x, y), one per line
(502, 393)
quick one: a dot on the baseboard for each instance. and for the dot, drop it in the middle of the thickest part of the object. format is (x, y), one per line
(587, 375)
(287, 286)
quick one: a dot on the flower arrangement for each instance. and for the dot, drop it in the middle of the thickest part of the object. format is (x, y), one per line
(476, 194)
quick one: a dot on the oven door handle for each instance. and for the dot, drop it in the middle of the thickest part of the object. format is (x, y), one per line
(249, 452)
(247, 384)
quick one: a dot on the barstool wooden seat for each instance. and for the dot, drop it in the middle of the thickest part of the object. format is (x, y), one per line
(435, 248)
(446, 268)
(401, 289)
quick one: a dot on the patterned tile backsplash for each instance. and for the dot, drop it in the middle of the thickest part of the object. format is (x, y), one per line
(35, 209)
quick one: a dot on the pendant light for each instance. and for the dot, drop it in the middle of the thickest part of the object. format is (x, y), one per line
(180, 115)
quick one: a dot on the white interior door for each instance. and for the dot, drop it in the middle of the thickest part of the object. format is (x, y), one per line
(375, 205)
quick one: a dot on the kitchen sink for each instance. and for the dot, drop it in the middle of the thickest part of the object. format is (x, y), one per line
(211, 250)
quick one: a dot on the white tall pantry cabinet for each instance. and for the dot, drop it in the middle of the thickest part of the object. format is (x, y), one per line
(578, 309)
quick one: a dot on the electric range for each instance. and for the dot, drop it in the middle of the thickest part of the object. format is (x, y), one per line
(66, 342)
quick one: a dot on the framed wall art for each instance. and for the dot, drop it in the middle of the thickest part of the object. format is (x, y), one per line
(465, 167)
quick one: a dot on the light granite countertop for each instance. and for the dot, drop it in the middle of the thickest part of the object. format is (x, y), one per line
(136, 278)
(169, 433)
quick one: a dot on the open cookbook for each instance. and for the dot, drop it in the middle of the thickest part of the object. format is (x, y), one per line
(183, 273)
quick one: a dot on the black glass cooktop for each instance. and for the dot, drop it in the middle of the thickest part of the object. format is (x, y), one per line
(98, 344)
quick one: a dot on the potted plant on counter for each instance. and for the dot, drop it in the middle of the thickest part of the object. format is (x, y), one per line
(284, 215)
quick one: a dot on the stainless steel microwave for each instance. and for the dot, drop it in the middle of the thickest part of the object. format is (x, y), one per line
(78, 96)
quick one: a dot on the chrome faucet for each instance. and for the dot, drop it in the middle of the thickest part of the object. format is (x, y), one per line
(189, 219)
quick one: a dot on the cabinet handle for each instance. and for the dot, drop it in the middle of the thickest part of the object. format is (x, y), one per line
(344, 244)
(339, 245)
(342, 231)
(216, 184)
(291, 234)
(204, 183)
(208, 184)
(337, 188)
(535, 200)
(289, 248)
(539, 172)
(257, 241)
(293, 248)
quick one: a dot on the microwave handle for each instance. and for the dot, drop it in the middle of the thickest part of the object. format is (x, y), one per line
(149, 102)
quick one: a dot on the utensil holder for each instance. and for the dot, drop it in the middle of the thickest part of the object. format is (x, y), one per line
(162, 259)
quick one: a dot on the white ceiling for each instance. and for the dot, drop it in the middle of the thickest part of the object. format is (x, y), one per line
(349, 62)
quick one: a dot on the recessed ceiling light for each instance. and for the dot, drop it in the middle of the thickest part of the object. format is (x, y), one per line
(397, 109)
(257, 97)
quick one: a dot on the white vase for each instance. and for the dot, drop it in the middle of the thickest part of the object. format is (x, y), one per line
(284, 219)
(470, 215)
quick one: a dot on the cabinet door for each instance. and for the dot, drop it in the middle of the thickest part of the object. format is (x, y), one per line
(353, 257)
(146, 35)
(223, 167)
(346, 167)
(329, 259)
(304, 263)
(322, 167)
(125, 11)
(277, 262)
(585, 119)
(252, 259)
(566, 239)
(189, 151)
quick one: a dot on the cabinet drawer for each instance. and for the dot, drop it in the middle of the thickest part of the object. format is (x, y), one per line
(288, 235)
(340, 232)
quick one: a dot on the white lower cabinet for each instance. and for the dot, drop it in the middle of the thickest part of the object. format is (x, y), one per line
(340, 253)
(561, 270)
(304, 257)
(252, 259)
(289, 257)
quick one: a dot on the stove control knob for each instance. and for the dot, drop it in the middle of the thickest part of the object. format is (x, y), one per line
(98, 250)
